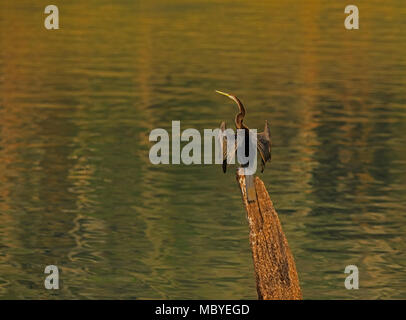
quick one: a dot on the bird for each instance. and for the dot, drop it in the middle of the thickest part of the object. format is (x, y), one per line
(264, 144)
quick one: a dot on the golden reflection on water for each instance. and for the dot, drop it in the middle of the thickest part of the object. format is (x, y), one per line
(77, 105)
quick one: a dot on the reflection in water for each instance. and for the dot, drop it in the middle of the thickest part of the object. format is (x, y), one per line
(77, 105)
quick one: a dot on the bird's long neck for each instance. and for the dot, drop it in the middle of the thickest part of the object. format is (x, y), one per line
(240, 116)
(239, 122)
(241, 107)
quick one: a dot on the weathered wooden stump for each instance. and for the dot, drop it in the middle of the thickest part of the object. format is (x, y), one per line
(275, 268)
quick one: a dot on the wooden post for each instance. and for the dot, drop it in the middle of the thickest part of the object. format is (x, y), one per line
(275, 268)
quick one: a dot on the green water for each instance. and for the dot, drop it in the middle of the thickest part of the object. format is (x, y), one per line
(77, 105)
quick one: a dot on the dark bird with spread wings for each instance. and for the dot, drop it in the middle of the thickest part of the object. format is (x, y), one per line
(264, 144)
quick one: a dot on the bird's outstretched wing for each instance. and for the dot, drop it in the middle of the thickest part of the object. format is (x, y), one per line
(224, 143)
(264, 145)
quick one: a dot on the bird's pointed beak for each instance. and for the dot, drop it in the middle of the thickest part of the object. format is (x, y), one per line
(225, 94)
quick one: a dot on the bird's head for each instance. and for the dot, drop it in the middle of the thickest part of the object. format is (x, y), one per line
(240, 116)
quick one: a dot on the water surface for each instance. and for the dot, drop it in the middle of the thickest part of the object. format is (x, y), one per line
(77, 104)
